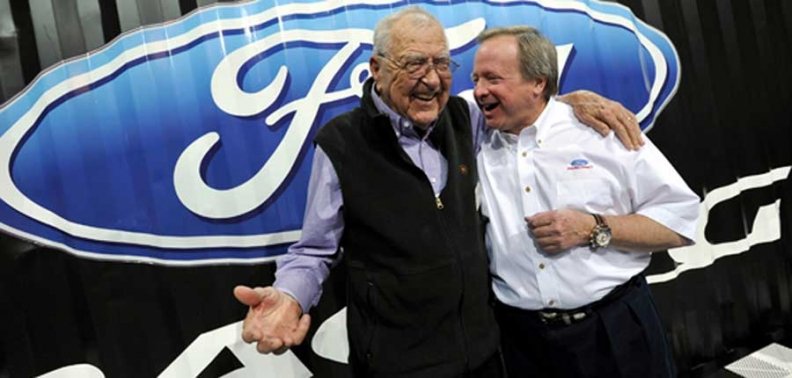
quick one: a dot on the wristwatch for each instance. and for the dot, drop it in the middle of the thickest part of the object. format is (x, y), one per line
(600, 235)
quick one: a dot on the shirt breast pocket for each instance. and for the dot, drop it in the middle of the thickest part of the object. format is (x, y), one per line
(585, 194)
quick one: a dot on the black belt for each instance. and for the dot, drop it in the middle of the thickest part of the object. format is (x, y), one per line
(556, 317)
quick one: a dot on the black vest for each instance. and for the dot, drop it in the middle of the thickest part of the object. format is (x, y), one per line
(418, 276)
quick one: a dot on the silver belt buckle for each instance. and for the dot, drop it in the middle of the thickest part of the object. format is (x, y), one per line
(547, 316)
(565, 317)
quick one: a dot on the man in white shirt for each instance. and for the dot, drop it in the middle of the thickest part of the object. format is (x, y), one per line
(572, 219)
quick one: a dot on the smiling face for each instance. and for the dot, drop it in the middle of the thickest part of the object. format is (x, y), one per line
(420, 100)
(508, 101)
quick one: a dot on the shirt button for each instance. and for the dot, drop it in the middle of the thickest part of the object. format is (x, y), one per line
(527, 188)
(525, 154)
(541, 265)
(538, 141)
(551, 302)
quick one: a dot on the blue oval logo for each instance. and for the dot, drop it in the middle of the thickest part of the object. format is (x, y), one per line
(579, 162)
(189, 142)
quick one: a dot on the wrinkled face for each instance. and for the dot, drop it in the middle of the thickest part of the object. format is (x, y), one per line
(508, 101)
(418, 99)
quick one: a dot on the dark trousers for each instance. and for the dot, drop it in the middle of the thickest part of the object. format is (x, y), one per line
(621, 336)
(491, 368)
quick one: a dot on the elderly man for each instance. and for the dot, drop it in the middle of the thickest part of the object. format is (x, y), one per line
(393, 183)
(572, 217)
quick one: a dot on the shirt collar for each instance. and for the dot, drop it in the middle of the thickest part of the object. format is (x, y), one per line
(543, 121)
(533, 131)
(401, 126)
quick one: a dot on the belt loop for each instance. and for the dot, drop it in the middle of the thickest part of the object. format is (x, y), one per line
(567, 319)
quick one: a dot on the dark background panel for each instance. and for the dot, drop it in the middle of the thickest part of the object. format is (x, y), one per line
(731, 118)
(130, 320)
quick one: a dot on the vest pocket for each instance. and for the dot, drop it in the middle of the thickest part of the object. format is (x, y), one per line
(407, 322)
(372, 332)
(362, 318)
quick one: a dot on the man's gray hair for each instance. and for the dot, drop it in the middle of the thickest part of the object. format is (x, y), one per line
(537, 54)
(417, 17)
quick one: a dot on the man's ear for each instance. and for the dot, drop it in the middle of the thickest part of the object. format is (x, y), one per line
(374, 68)
(541, 83)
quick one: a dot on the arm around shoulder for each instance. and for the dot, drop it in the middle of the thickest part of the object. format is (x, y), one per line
(604, 115)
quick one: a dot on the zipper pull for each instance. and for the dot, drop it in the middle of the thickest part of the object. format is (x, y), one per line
(439, 203)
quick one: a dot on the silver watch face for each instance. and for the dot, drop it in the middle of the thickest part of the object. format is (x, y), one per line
(602, 238)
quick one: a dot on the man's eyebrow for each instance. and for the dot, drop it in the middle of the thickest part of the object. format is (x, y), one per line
(414, 56)
(425, 56)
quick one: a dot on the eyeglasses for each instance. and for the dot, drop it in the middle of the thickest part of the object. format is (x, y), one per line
(417, 67)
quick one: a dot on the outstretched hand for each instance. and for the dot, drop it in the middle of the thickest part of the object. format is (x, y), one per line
(274, 321)
(558, 230)
(604, 115)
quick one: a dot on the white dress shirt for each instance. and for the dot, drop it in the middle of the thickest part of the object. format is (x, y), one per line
(559, 163)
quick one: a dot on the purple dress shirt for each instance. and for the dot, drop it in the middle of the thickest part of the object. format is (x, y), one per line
(306, 265)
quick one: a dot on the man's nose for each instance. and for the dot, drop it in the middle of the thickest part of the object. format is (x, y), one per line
(432, 78)
(479, 90)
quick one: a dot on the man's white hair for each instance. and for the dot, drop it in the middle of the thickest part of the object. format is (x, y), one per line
(416, 17)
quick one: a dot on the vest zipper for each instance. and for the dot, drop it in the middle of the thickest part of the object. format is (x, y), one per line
(439, 203)
(460, 311)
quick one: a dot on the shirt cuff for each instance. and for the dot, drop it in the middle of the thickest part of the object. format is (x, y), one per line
(300, 287)
(684, 224)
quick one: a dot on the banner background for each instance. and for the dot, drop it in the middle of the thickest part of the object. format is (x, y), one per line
(730, 119)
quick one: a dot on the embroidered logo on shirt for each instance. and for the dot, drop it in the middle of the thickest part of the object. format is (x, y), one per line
(579, 164)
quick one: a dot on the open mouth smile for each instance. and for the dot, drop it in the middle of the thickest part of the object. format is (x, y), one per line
(425, 97)
(489, 107)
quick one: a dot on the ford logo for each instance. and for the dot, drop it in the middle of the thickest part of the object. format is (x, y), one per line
(579, 162)
(190, 142)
